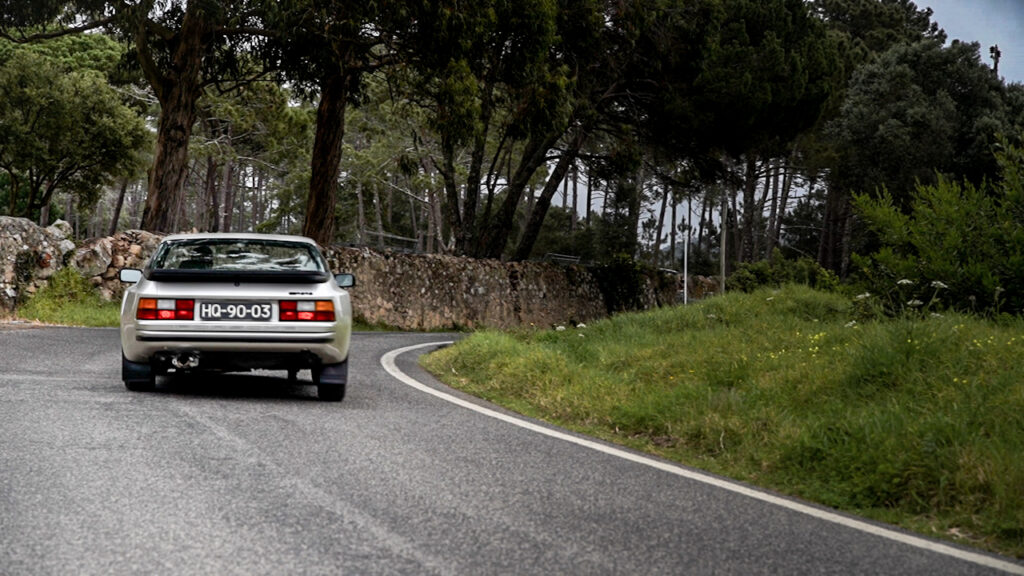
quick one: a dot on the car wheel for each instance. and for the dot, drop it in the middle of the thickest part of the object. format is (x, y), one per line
(330, 392)
(330, 380)
(140, 385)
(137, 376)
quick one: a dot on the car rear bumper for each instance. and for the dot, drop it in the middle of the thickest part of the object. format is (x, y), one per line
(328, 344)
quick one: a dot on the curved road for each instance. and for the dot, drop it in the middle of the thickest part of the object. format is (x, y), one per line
(247, 474)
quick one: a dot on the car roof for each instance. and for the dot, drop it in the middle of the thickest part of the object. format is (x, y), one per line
(239, 236)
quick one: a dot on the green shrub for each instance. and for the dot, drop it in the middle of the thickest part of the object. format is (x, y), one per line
(960, 247)
(69, 298)
(779, 271)
(621, 282)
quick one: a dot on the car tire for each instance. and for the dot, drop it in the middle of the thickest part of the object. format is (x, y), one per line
(330, 392)
(330, 380)
(137, 376)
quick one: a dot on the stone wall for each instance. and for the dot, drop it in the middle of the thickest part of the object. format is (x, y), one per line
(409, 292)
(29, 255)
(429, 292)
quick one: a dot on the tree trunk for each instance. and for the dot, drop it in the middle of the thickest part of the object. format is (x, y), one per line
(377, 209)
(540, 209)
(534, 155)
(661, 224)
(178, 94)
(672, 237)
(575, 196)
(211, 222)
(452, 210)
(323, 184)
(787, 184)
(746, 247)
(118, 206)
(468, 224)
(228, 199)
(360, 216)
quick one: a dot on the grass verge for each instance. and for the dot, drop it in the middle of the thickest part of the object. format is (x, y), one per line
(69, 299)
(917, 421)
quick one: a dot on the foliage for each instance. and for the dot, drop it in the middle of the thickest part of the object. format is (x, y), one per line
(62, 128)
(918, 111)
(779, 271)
(622, 282)
(69, 299)
(912, 421)
(967, 240)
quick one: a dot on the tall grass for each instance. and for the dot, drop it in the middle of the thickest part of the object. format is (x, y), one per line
(69, 298)
(917, 421)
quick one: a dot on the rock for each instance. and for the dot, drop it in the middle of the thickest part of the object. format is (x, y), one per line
(94, 257)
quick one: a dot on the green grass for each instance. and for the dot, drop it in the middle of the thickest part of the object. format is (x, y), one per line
(914, 421)
(69, 299)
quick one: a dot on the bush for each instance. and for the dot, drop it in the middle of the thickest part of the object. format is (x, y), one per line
(960, 247)
(622, 283)
(69, 298)
(779, 271)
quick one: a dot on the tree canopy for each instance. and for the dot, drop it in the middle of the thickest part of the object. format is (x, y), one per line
(499, 129)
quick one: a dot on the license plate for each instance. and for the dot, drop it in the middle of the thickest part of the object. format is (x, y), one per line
(251, 311)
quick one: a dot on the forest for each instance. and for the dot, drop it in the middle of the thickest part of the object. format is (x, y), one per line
(725, 132)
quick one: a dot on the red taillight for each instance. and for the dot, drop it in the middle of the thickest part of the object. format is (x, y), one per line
(165, 309)
(306, 311)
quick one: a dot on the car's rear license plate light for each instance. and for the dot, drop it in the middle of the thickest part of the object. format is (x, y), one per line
(165, 309)
(307, 311)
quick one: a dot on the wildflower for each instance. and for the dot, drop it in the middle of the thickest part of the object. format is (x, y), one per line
(905, 282)
(769, 299)
(938, 285)
(580, 335)
(915, 303)
(581, 326)
(560, 328)
(851, 324)
(864, 296)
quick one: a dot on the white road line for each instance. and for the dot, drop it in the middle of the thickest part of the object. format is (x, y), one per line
(388, 362)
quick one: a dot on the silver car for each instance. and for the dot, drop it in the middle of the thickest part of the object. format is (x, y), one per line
(234, 302)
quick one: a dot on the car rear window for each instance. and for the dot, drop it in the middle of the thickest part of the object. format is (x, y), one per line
(234, 255)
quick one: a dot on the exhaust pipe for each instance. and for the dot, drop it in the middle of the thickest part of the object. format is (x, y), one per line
(185, 361)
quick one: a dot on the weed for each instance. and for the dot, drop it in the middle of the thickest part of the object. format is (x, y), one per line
(916, 420)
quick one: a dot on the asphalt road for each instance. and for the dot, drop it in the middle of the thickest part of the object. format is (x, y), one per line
(247, 474)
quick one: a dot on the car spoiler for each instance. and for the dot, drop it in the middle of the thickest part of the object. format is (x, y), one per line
(256, 276)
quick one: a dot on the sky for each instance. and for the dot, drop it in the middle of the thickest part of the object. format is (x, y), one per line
(987, 22)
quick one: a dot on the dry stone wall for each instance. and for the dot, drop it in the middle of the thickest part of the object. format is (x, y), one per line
(429, 292)
(406, 291)
(29, 255)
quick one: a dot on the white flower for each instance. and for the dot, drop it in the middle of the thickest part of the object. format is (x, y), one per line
(905, 282)
(769, 299)
(938, 285)
(851, 324)
(864, 296)
(915, 303)
(581, 326)
(560, 328)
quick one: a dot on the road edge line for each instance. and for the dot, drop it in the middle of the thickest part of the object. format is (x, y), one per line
(388, 362)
